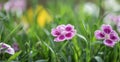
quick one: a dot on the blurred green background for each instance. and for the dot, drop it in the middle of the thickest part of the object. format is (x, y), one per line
(31, 30)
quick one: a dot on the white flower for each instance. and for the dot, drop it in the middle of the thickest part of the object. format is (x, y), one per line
(15, 6)
(8, 48)
(91, 9)
(111, 5)
(10, 51)
(108, 18)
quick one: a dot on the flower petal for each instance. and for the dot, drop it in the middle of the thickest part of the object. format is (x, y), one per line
(69, 27)
(55, 32)
(114, 36)
(61, 28)
(60, 38)
(3, 45)
(15, 46)
(118, 27)
(106, 29)
(10, 51)
(99, 34)
(69, 35)
(109, 43)
(63, 32)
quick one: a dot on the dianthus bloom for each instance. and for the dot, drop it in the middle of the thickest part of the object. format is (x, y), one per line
(63, 32)
(6, 48)
(15, 6)
(15, 46)
(107, 34)
(114, 20)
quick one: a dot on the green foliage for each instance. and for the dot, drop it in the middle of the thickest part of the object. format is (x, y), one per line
(37, 44)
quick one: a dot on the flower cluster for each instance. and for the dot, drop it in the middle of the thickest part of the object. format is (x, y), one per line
(116, 20)
(113, 20)
(6, 48)
(15, 6)
(109, 36)
(63, 32)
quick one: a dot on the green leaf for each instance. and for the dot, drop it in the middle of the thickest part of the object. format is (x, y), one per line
(63, 46)
(9, 35)
(14, 56)
(98, 59)
(42, 60)
(49, 47)
(82, 37)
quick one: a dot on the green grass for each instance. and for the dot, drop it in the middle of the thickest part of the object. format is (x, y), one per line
(37, 45)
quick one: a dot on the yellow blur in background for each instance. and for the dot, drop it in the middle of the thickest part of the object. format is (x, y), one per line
(41, 14)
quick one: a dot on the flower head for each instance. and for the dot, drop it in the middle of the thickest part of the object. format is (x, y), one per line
(107, 34)
(1, 6)
(113, 20)
(6, 48)
(15, 47)
(118, 27)
(15, 6)
(63, 32)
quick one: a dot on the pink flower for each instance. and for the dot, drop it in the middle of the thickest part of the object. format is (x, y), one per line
(107, 34)
(6, 48)
(1, 6)
(118, 27)
(112, 19)
(15, 6)
(8, 5)
(107, 29)
(115, 19)
(15, 47)
(63, 32)
(10, 51)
